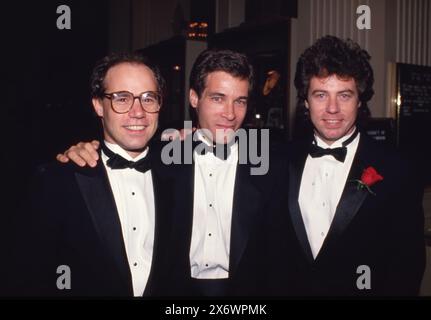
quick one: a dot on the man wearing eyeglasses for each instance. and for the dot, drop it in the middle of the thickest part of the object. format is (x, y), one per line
(97, 231)
(219, 209)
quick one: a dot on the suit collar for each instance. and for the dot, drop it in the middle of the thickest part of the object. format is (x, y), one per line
(183, 215)
(350, 202)
(351, 198)
(296, 167)
(95, 188)
(162, 199)
(98, 196)
(245, 210)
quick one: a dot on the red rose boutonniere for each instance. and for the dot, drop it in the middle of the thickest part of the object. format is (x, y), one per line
(369, 177)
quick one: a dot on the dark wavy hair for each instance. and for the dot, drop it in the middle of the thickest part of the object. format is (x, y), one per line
(102, 67)
(333, 56)
(234, 63)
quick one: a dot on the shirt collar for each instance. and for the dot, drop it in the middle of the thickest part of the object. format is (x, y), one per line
(120, 151)
(200, 135)
(338, 143)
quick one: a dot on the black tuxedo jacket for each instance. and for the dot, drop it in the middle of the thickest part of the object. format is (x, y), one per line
(252, 200)
(384, 231)
(72, 220)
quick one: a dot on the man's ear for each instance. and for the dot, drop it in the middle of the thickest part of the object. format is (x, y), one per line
(193, 98)
(98, 107)
(306, 104)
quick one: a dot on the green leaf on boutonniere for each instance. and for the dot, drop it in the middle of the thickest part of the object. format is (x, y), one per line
(360, 185)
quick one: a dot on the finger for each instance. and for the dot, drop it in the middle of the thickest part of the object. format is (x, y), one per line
(89, 147)
(85, 155)
(62, 158)
(96, 144)
(75, 157)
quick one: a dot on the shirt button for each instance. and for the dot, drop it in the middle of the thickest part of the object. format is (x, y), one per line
(211, 205)
(323, 204)
(211, 174)
(133, 193)
(322, 234)
(326, 174)
(135, 264)
(206, 264)
(134, 228)
(313, 184)
(209, 234)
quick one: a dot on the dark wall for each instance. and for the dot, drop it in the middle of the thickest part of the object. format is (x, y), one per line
(48, 72)
(45, 74)
(264, 10)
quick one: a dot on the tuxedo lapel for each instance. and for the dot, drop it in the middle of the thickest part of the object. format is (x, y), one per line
(162, 224)
(350, 202)
(296, 168)
(183, 221)
(245, 210)
(98, 196)
(351, 199)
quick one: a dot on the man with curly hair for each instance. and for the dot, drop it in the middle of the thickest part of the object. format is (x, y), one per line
(355, 207)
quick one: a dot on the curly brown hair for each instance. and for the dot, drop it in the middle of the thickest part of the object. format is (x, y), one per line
(330, 55)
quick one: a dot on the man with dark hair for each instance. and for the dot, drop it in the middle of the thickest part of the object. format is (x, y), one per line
(234, 63)
(98, 232)
(221, 205)
(218, 206)
(355, 207)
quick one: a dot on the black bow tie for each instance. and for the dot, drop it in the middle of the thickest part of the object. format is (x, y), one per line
(116, 161)
(220, 150)
(338, 153)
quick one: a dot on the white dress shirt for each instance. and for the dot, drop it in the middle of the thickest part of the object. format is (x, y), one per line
(134, 197)
(214, 182)
(322, 184)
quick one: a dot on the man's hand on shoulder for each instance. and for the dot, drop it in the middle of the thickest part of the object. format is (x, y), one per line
(83, 153)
